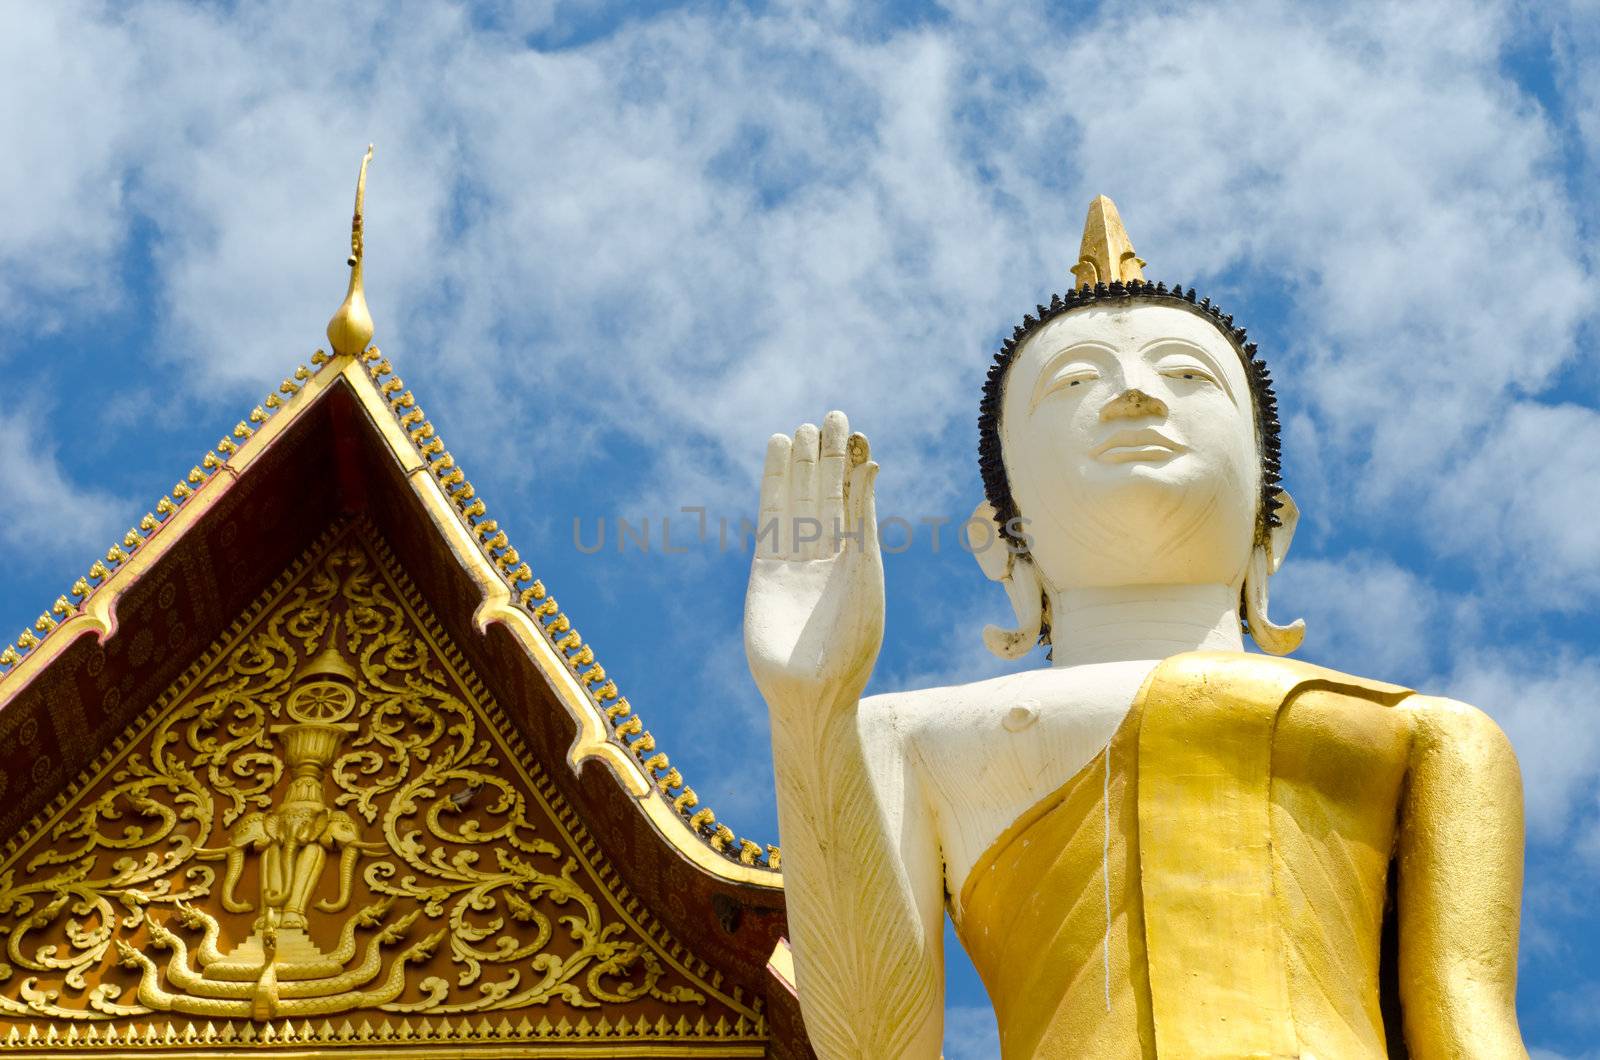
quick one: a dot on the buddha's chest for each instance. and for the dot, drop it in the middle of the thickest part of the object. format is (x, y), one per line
(1337, 765)
(985, 760)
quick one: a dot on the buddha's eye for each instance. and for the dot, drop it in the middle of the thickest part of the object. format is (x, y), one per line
(1070, 378)
(1071, 374)
(1189, 372)
(1076, 375)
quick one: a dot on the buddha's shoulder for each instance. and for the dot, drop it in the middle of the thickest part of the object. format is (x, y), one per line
(937, 715)
(1264, 675)
(1272, 677)
(1269, 677)
(1013, 699)
(913, 707)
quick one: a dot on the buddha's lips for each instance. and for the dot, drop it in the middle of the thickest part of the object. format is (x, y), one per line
(1146, 443)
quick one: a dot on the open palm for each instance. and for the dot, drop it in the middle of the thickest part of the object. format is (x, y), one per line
(813, 618)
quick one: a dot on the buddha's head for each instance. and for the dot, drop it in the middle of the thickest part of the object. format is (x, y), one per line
(1129, 436)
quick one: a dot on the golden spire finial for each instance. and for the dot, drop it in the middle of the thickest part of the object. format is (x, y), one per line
(351, 327)
(1107, 252)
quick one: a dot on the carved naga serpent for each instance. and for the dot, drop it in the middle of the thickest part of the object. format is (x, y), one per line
(265, 1000)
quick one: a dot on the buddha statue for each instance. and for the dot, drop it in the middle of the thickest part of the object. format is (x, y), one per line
(1160, 845)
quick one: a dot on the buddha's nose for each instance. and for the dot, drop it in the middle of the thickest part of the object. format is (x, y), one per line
(1132, 404)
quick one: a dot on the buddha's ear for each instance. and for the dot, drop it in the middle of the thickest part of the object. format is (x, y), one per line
(1279, 537)
(1265, 559)
(1017, 575)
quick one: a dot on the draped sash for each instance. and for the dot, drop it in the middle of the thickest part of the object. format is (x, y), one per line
(1132, 912)
(1035, 918)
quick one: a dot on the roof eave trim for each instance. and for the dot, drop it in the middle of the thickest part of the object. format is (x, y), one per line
(92, 607)
(602, 717)
(496, 568)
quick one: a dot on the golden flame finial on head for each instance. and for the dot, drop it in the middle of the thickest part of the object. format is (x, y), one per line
(351, 327)
(1107, 252)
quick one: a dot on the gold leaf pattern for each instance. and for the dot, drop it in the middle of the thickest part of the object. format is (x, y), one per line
(384, 845)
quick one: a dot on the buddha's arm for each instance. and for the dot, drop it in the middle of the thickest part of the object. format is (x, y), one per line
(862, 883)
(1460, 885)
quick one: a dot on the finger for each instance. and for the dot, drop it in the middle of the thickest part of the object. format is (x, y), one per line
(802, 514)
(830, 480)
(774, 492)
(862, 508)
(859, 448)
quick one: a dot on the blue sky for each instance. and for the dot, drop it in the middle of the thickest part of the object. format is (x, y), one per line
(613, 248)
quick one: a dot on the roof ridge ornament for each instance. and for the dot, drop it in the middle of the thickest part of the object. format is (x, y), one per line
(350, 329)
(1106, 255)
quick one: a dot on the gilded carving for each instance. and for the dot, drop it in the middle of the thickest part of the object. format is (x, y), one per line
(323, 817)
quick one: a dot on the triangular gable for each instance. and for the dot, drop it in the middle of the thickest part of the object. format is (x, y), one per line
(344, 439)
(608, 729)
(326, 832)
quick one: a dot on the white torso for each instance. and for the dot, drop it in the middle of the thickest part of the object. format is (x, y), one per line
(984, 754)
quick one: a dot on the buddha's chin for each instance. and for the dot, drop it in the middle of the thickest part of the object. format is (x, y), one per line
(1145, 528)
(1207, 554)
(1137, 493)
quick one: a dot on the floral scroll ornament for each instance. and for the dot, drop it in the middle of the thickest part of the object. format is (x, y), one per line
(331, 757)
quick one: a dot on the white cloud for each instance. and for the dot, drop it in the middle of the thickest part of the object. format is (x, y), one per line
(957, 654)
(1366, 614)
(730, 763)
(970, 1033)
(726, 223)
(705, 226)
(1547, 703)
(45, 517)
(1530, 489)
(62, 181)
(1577, 1005)
(1405, 194)
(1575, 29)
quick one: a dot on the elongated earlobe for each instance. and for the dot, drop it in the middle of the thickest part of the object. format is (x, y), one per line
(1268, 635)
(1027, 600)
(1265, 559)
(1021, 581)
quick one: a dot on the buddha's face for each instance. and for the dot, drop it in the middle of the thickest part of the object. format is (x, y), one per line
(1130, 443)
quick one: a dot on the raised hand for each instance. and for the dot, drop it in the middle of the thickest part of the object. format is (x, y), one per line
(813, 617)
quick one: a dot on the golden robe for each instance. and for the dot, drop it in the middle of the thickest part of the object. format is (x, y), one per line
(1213, 884)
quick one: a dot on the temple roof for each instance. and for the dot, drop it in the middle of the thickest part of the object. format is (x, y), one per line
(512, 599)
(344, 436)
